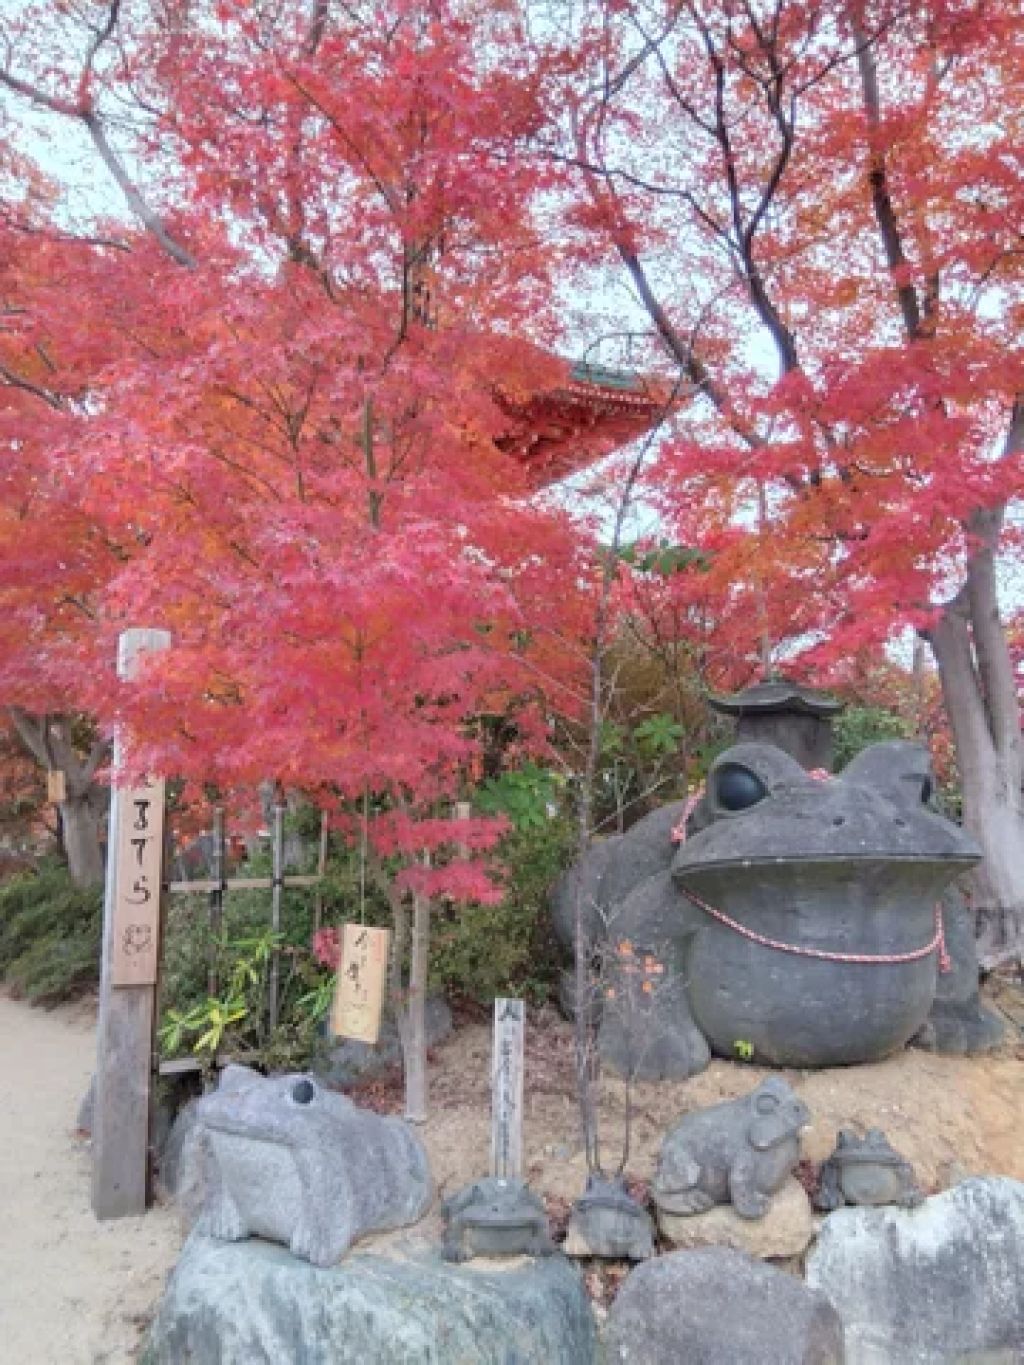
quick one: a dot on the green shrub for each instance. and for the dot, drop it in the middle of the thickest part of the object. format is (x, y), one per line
(480, 951)
(49, 935)
(214, 984)
(858, 726)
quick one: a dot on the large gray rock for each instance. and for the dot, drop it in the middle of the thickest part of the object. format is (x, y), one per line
(720, 1307)
(645, 850)
(785, 1230)
(959, 1024)
(179, 1167)
(285, 1159)
(938, 1283)
(252, 1304)
(345, 1062)
(581, 885)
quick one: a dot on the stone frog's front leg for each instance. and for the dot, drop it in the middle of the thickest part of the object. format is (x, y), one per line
(747, 1199)
(221, 1216)
(677, 1185)
(830, 1191)
(323, 1229)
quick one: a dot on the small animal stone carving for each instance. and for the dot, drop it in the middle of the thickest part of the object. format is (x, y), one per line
(607, 1221)
(285, 1159)
(866, 1171)
(494, 1217)
(739, 1152)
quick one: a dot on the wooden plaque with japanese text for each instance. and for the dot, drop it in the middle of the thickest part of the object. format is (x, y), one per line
(507, 1089)
(359, 997)
(140, 844)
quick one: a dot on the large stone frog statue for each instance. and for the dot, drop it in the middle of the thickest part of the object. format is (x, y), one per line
(287, 1160)
(795, 916)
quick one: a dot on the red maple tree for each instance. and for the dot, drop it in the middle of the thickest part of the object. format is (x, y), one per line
(817, 209)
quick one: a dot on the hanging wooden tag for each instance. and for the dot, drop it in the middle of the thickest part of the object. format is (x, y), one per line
(56, 786)
(359, 997)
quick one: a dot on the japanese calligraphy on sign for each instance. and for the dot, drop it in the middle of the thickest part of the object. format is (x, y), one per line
(359, 997)
(507, 1090)
(136, 926)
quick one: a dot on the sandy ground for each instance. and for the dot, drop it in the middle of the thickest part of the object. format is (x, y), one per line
(77, 1292)
(72, 1291)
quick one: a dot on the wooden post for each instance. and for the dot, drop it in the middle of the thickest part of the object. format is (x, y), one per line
(321, 868)
(275, 913)
(416, 1010)
(218, 863)
(507, 1090)
(128, 977)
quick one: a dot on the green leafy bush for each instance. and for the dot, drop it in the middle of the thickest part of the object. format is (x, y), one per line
(858, 726)
(49, 935)
(215, 981)
(480, 951)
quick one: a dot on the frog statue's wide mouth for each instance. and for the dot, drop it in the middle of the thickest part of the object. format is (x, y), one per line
(685, 872)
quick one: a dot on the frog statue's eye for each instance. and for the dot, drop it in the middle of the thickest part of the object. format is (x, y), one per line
(303, 1091)
(927, 791)
(737, 788)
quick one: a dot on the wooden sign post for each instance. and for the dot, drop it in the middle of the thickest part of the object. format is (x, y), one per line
(128, 976)
(507, 1090)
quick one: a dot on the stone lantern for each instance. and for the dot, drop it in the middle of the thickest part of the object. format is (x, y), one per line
(795, 718)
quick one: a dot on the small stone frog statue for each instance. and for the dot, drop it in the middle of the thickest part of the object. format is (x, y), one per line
(740, 1153)
(495, 1217)
(607, 1221)
(866, 1170)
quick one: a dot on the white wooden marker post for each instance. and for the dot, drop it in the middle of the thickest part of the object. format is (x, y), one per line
(128, 976)
(507, 1090)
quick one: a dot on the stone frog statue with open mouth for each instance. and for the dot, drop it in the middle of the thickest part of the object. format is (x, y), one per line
(794, 913)
(285, 1159)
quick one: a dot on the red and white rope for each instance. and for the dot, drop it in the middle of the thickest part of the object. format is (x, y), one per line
(936, 942)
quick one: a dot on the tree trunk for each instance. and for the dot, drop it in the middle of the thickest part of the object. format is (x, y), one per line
(48, 740)
(80, 820)
(415, 1038)
(976, 671)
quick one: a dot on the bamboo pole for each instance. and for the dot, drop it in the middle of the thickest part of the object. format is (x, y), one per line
(275, 913)
(216, 901)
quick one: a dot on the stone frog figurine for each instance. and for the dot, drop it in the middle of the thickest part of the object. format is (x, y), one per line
(285, 1159)
(795, 912)
(739, 1152)
(495, 1217)
(866, 1170)
(607, 1221)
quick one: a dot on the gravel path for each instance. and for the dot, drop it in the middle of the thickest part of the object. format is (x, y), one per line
(72, 1291)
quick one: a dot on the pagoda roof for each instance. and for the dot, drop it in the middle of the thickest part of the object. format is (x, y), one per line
(591, 412)
(777, 695)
